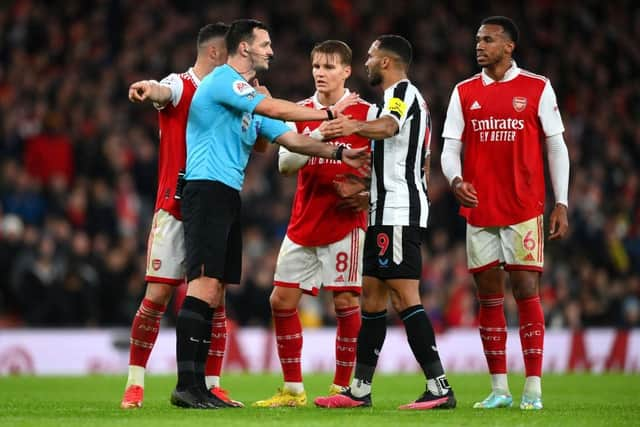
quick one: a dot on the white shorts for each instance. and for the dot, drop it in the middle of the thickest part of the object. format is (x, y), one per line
(165, 250)
(517, 247)
(335, 267)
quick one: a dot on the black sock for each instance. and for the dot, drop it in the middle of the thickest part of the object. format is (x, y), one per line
(192, 328)
(422, 340)
(202, 354)
(370, 340)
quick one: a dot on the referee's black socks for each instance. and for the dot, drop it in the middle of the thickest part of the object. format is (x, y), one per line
(193, 331)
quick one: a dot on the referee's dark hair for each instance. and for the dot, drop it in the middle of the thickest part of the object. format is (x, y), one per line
(398, 45)
(211, 31)
(240, 31)
(507, 25)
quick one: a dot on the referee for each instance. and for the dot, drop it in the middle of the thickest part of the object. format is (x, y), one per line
(392, 263)
(226, 117)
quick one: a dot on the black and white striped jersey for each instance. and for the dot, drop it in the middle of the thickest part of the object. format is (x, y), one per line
(398, 189)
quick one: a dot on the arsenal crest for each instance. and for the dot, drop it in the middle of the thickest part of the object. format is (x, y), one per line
(156, 264)
(519, 103)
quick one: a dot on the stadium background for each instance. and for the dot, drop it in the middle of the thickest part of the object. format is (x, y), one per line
(78, 161)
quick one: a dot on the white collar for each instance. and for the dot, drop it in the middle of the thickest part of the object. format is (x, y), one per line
(510, 74)
(318, 106)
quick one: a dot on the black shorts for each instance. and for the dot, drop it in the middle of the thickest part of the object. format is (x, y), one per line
(212, 231)
(386, 259)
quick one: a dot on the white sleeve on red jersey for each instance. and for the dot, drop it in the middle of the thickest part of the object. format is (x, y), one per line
(175, 85)
(289, 162)
(454, 122)
(450, 159)
(549, 112)
(558, 158)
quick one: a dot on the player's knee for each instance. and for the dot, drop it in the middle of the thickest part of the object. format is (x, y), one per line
(159, 293)
(525, 284)
(280, 299)
(342, 300)
(205, 288)
(402, 302)
(373, 303)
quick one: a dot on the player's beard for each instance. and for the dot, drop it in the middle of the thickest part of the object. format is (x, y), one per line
(375, 78)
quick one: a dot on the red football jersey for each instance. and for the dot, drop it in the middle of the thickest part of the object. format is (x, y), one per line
(315, 219)
(503, 127)
(172, 155)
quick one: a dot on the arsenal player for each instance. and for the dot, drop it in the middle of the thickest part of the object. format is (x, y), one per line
(501, 120)
(325, 237)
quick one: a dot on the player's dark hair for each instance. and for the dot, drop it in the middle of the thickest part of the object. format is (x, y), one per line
(398, 45)
(211, 31)
(507, 25)
(240, 31)
(331, 47)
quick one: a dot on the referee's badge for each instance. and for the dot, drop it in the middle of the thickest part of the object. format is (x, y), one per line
(519, 103)
(242, 88)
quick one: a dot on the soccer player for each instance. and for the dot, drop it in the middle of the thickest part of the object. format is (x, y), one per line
(324, 240)
(500, 118)
(165, 252)
(397, 220)
(225, 117)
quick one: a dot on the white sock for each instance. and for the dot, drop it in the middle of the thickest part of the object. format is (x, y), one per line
(136, 376)
(212, 381)
(359, 388)
(435, 387)
(500, 384)
(295, 388)
(533, 387)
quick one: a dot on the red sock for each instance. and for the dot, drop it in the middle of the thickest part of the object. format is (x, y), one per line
(531, 334)
(218, 344)
(289, 339)
(493, 332)
(346, 341)
(144, 332)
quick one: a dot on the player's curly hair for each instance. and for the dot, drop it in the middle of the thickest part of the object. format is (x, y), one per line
(507, 25)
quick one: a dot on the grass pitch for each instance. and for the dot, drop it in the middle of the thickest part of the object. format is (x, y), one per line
(570, 400)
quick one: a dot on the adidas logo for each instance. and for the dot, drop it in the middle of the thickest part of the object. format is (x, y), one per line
(306, 131)
(529, 257)
(475, 106)
(340, 279)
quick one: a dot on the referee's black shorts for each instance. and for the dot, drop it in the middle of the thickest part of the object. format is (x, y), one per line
(393, 252)
(212, 232)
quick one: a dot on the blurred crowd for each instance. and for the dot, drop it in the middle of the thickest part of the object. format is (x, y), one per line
(79, 162)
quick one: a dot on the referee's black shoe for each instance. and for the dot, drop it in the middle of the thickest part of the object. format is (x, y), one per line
(212, 401)
(190, 398)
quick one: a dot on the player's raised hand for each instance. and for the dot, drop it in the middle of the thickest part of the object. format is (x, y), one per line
(356, 157)
(259, 88)
(345, 102)
(558, 222)
(139, 91)
(465, 193)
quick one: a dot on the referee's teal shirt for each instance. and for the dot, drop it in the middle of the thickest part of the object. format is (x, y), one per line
(222, 129)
